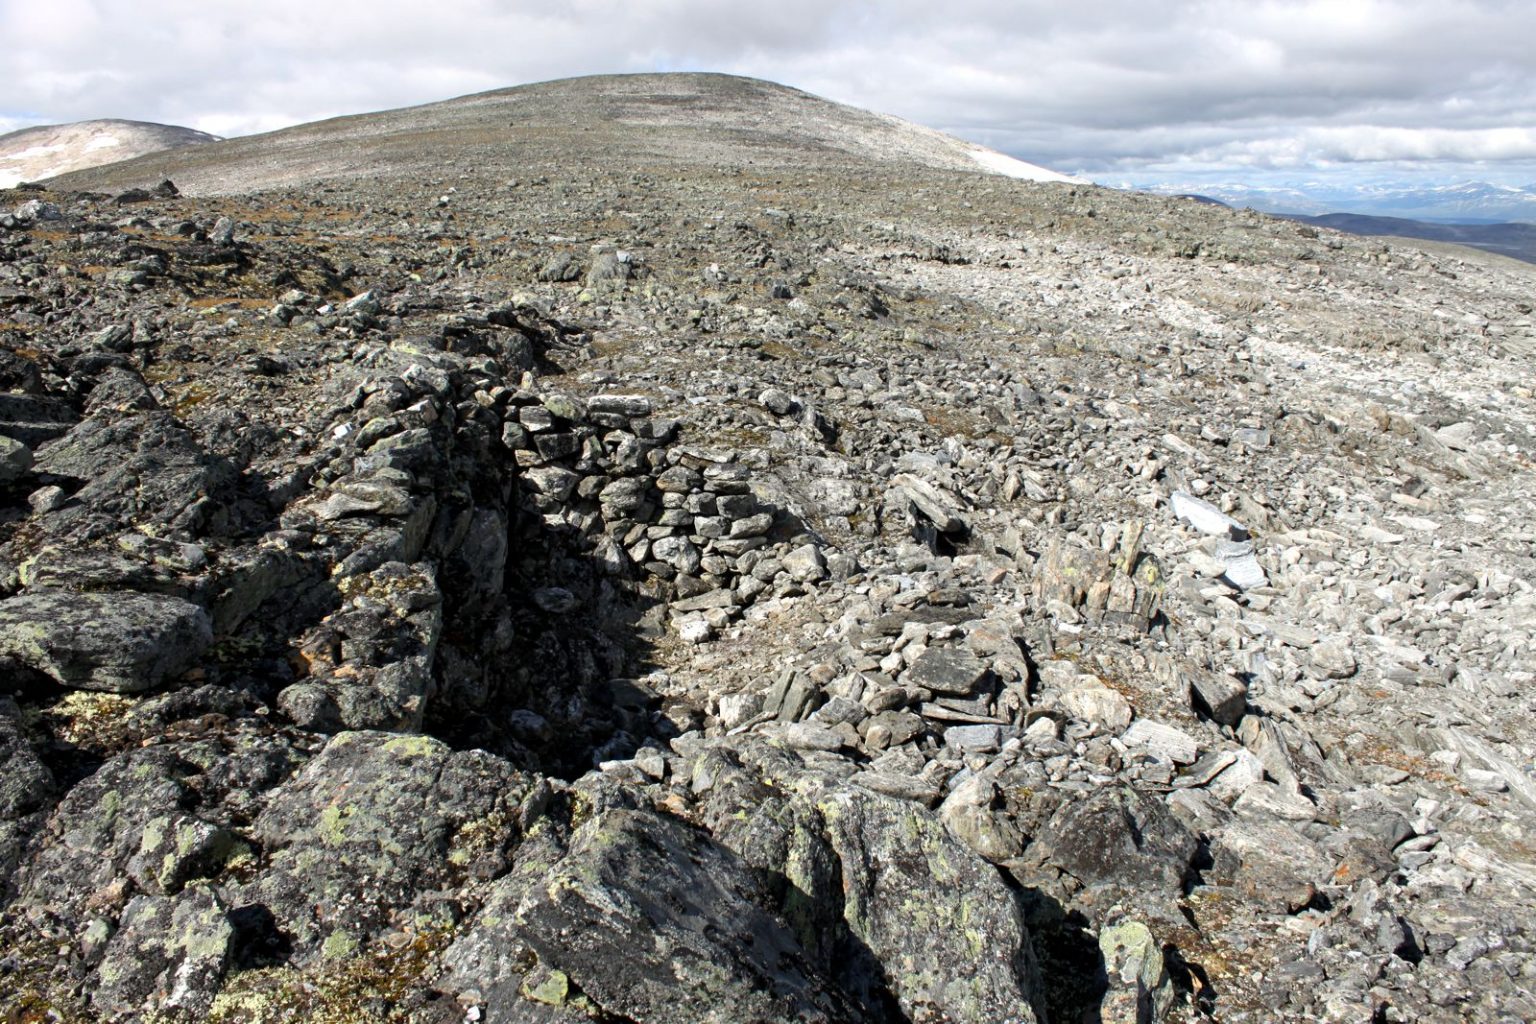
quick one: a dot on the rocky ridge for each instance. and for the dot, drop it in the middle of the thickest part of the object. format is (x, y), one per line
(839, 595)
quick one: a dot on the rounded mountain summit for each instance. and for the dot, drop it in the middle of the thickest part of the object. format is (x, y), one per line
(43, 151)
(651, 120)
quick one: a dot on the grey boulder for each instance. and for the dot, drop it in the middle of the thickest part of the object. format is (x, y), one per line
(640, 917)
(121, 642)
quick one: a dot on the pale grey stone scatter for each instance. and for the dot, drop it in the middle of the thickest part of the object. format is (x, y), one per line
(588, 581)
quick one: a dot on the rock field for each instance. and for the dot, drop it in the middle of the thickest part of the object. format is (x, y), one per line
(607, 582)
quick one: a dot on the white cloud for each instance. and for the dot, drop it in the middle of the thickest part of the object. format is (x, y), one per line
(1115, 86)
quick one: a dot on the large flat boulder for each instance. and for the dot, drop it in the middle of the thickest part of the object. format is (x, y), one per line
(121, 642)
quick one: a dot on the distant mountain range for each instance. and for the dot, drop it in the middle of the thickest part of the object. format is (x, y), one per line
(1469, 202)
(1495, 218)
(1514, 240)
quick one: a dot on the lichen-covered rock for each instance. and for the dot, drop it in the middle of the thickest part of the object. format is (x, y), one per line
(25, 782)
(26, 788)
(369, 665)
(176, 848)
(138, 466)
(169, 953)
(371, 823)
(1139, 988)
(1119, 836)
(639, 917)
(937, 917)
(904, 914)
(121, 642)
(98, 828)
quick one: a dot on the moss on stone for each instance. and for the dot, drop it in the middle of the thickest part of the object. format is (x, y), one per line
(415, 746)
(338, 944)
(551, 989)
(333, 823)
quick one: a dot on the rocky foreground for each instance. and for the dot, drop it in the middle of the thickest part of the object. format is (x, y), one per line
(758, 595)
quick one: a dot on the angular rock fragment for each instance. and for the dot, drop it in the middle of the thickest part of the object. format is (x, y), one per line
(1331, 659)
(1206, 518)
(1270, 861)
(15, 460)
(971, 814)
(1095, 702)
(950, 671)
(1119, 836)
(1240, 567)
(806, 564)
(1241, 774)
(1221, 697)
(938, 508)
(1162, 740)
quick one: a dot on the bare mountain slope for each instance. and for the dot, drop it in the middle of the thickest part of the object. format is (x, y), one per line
(668, 118)
(578, 574)
(33, 154)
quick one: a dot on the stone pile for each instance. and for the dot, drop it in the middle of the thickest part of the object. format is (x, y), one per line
(684, 515)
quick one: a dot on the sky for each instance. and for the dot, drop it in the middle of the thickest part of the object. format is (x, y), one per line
(1120, 91)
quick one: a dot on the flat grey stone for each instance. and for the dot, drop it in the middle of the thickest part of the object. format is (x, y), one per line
(903, 787)
(948, 670)
(810, 736)
(1174, 744)
(121, 642)
(1206, 518)
(974, 739)
(622, 405)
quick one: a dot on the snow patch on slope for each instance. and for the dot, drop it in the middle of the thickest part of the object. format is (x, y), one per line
(1012, 167)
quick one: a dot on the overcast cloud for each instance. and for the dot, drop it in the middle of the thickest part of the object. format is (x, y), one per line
(1120, 90)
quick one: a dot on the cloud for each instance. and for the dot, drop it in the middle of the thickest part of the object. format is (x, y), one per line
(1110, 87)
